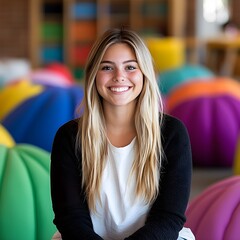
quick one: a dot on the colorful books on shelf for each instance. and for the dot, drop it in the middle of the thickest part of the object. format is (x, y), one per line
(85, 30)
(52, 31)
(53, 8)
(84, 10)
(79, 54)
(51, 54)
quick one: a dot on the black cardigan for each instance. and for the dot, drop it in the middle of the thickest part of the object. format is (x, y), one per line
(167, 214)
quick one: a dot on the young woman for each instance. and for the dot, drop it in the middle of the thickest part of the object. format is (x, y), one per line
(123, 169)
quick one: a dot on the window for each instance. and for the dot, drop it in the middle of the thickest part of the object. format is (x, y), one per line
(216, 11)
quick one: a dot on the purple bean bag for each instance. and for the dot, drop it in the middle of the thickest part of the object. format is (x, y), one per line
(215, 213)
(36, 120)
(211, 113)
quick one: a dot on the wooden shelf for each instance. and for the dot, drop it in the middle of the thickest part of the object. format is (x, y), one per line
(83, 20)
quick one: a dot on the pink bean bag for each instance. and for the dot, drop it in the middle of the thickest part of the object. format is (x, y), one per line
(215, 213)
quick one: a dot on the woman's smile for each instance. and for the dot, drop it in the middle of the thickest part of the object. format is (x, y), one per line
(119, 89)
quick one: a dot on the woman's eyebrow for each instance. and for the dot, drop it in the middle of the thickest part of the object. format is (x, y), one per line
(110, 62)
(130, 61)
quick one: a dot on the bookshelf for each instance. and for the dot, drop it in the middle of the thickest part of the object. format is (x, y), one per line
(64, 30)
(82, 26)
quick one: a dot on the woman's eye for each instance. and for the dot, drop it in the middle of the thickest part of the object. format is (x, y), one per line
(131, 67)
(106, 68)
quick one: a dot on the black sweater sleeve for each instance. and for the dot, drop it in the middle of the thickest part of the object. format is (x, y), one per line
(167, 215)
(72, 217)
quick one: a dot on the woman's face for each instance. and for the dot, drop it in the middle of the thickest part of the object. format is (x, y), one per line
(119, 79)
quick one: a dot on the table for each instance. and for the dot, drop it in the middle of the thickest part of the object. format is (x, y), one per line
(222, 54)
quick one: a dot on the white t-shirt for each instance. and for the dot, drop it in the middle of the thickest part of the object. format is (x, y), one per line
(120, 214)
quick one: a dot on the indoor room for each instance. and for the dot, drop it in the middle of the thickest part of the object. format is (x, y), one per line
(49, 73)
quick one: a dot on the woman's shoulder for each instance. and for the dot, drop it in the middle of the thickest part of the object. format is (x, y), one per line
(169, 121)
(70, 124)
(70, 127)
(172, 126)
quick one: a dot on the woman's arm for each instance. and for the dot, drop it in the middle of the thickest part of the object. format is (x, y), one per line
(72, 217)
(167, 215)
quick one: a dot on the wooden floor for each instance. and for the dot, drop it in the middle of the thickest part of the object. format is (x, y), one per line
(204, 177)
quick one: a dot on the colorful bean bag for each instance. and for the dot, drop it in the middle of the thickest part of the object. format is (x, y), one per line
(211, 113)
(61, 69)
(37, 119)
(14, 94)
(215, 213)
(5, 138)
(54, 74)
(167, 52)
(168, 80)
(25, 202)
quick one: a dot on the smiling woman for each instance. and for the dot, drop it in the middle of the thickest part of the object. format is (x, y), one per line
(119, 79)
(123, 169)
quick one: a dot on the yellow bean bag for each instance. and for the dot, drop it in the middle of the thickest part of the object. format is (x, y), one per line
(167, 52)
(5, 138)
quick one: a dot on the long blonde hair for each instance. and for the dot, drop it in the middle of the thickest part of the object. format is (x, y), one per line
(91, 137)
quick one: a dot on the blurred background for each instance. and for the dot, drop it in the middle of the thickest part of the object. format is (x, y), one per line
(53, 30)
(44, 44)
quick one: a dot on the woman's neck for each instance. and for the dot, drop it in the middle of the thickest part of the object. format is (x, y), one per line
(120, 124)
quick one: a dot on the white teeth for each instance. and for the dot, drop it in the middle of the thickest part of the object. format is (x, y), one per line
(119, 89)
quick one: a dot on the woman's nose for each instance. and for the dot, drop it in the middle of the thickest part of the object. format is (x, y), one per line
(119, 76)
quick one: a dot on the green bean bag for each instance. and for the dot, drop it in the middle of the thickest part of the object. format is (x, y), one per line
(25, 203)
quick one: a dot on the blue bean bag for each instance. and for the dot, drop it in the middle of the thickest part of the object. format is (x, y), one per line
(37, 119)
